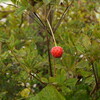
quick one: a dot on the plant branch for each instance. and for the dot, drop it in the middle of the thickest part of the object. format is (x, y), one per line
(47, 14)
(51, 32)
(42, 24)
(49, 58)
(39, 19)
(38, 79)
(96, 79)
(63, 15)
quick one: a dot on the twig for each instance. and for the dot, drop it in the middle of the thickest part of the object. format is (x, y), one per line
(63, 15)
(38, 79)
(21, 21)
(54, 68)
(49, 58)
(52, 32)
(96, 79)
(48, 44)
(39, 19)
(42, 26)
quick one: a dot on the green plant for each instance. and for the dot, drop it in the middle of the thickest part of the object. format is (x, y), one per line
(29, 30)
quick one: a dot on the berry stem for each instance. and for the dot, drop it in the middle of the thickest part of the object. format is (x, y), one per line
(52, 32)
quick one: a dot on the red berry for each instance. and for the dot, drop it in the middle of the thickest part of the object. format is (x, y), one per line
(57, 51)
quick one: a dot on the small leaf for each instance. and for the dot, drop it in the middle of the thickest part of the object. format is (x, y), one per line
(52, 80)
(25, 93)
(44, 80)
(71, 82)
(86, 41)
(80, 48)
(20, 10)
(48, 93)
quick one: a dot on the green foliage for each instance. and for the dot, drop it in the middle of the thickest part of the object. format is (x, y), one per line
(48, 93)
(25, 43)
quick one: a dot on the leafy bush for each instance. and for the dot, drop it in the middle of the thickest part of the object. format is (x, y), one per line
(29, 29)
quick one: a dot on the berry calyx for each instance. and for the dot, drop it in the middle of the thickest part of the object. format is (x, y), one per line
(57, 51)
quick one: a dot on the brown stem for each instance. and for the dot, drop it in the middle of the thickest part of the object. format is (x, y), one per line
(22, 20)
(54, 68)
(48, 39)
(39, 19)
(38, 79)
(42, 24)
(96, 79)
(62, 17)
(95, 88)
(49, 58)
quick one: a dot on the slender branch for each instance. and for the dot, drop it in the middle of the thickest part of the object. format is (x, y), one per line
(63, 15)
(42, 26)
(39, 19)
(96, 79)
(21, 21)
(36, 21)
(38, 79)
(55, 69)
(48, 40)
(49, 58)
(52, 32)
(93, 90)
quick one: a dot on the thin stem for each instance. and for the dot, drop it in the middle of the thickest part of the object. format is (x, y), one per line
(37, 79)
(48, 42)
(49, 58)
(96, 79)
(42, 26)
(39, 19)
(62, 17)
(54, 68)
(51, 32)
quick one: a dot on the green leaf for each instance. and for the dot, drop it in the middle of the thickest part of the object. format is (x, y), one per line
(52, 80)
(20, 10)
(86, 41)
(48, 93)
(44, 80)
(60, 77)
(71, 82)
(4, 55)
(80, 48)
